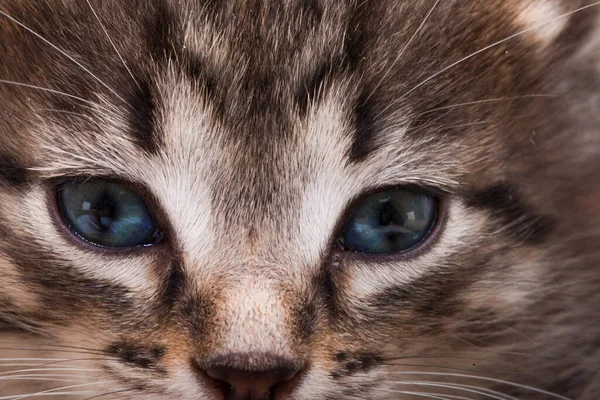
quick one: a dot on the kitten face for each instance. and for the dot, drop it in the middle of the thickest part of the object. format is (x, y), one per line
(252, 130)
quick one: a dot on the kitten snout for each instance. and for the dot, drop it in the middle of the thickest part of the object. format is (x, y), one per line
(250, 350)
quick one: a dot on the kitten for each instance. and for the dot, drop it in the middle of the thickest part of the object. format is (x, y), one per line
(300, 199)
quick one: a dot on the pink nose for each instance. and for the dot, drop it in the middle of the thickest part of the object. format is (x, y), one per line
(256, 382)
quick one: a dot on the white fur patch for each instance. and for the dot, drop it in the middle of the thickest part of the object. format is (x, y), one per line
(544, 14)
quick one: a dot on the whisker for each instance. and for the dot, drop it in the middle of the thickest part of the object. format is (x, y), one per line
(96, 353)
(451, 356)
(453, 368)
(486, 101)
(74, 393)
(484, 122)
(60, 361)
(45, 377)
(487, 379)
(109, 393)
(53, 91)
(492, 394)
(52, 391)
(47, 369)
(32, 359)
(538, 26)
(73, 113)
(112, 43)
(446, 396)
(60, 346)
(423, 394)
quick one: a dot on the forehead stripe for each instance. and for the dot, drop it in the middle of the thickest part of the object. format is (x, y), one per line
(11, 172)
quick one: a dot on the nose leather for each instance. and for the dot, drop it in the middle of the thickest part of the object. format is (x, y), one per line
(251, 385)
(252, 376)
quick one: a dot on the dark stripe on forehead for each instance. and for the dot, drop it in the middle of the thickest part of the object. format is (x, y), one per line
(518, 220)
(357, 33)
(336, 65)
(164, 33)
(142, 118)
(319, 81)
(165, 45)
(356, 44)
(347, 64)
(198, 71)
(12, 174)
(364, 137)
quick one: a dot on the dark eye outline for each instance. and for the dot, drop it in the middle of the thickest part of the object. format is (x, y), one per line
(441, 216)
(53, 190)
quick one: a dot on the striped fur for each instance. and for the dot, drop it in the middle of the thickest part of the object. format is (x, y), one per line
(251, 128)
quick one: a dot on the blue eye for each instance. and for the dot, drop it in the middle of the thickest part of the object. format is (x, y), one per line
(390, 222)
(107, 214)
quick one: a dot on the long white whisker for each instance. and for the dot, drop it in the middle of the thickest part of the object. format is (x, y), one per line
(46, 377)
(485, 122)
(26, 396)
(112, 43)
(59, 350)
(453, 357)
(80, 115)
(63, 53)
(47, 369)
(398, 364)
(109, 393)
(492, 394)
(484, 101)
(446, 396)
(483, 378)
(44, 347)
(424, 394)
(53, 91)
(538, 26)
(78, 393)
(53, 363)
(33, 359)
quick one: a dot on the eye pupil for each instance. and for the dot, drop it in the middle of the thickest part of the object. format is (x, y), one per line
(392, 221)
(388, 214)
(392, 236)
(103, 212)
